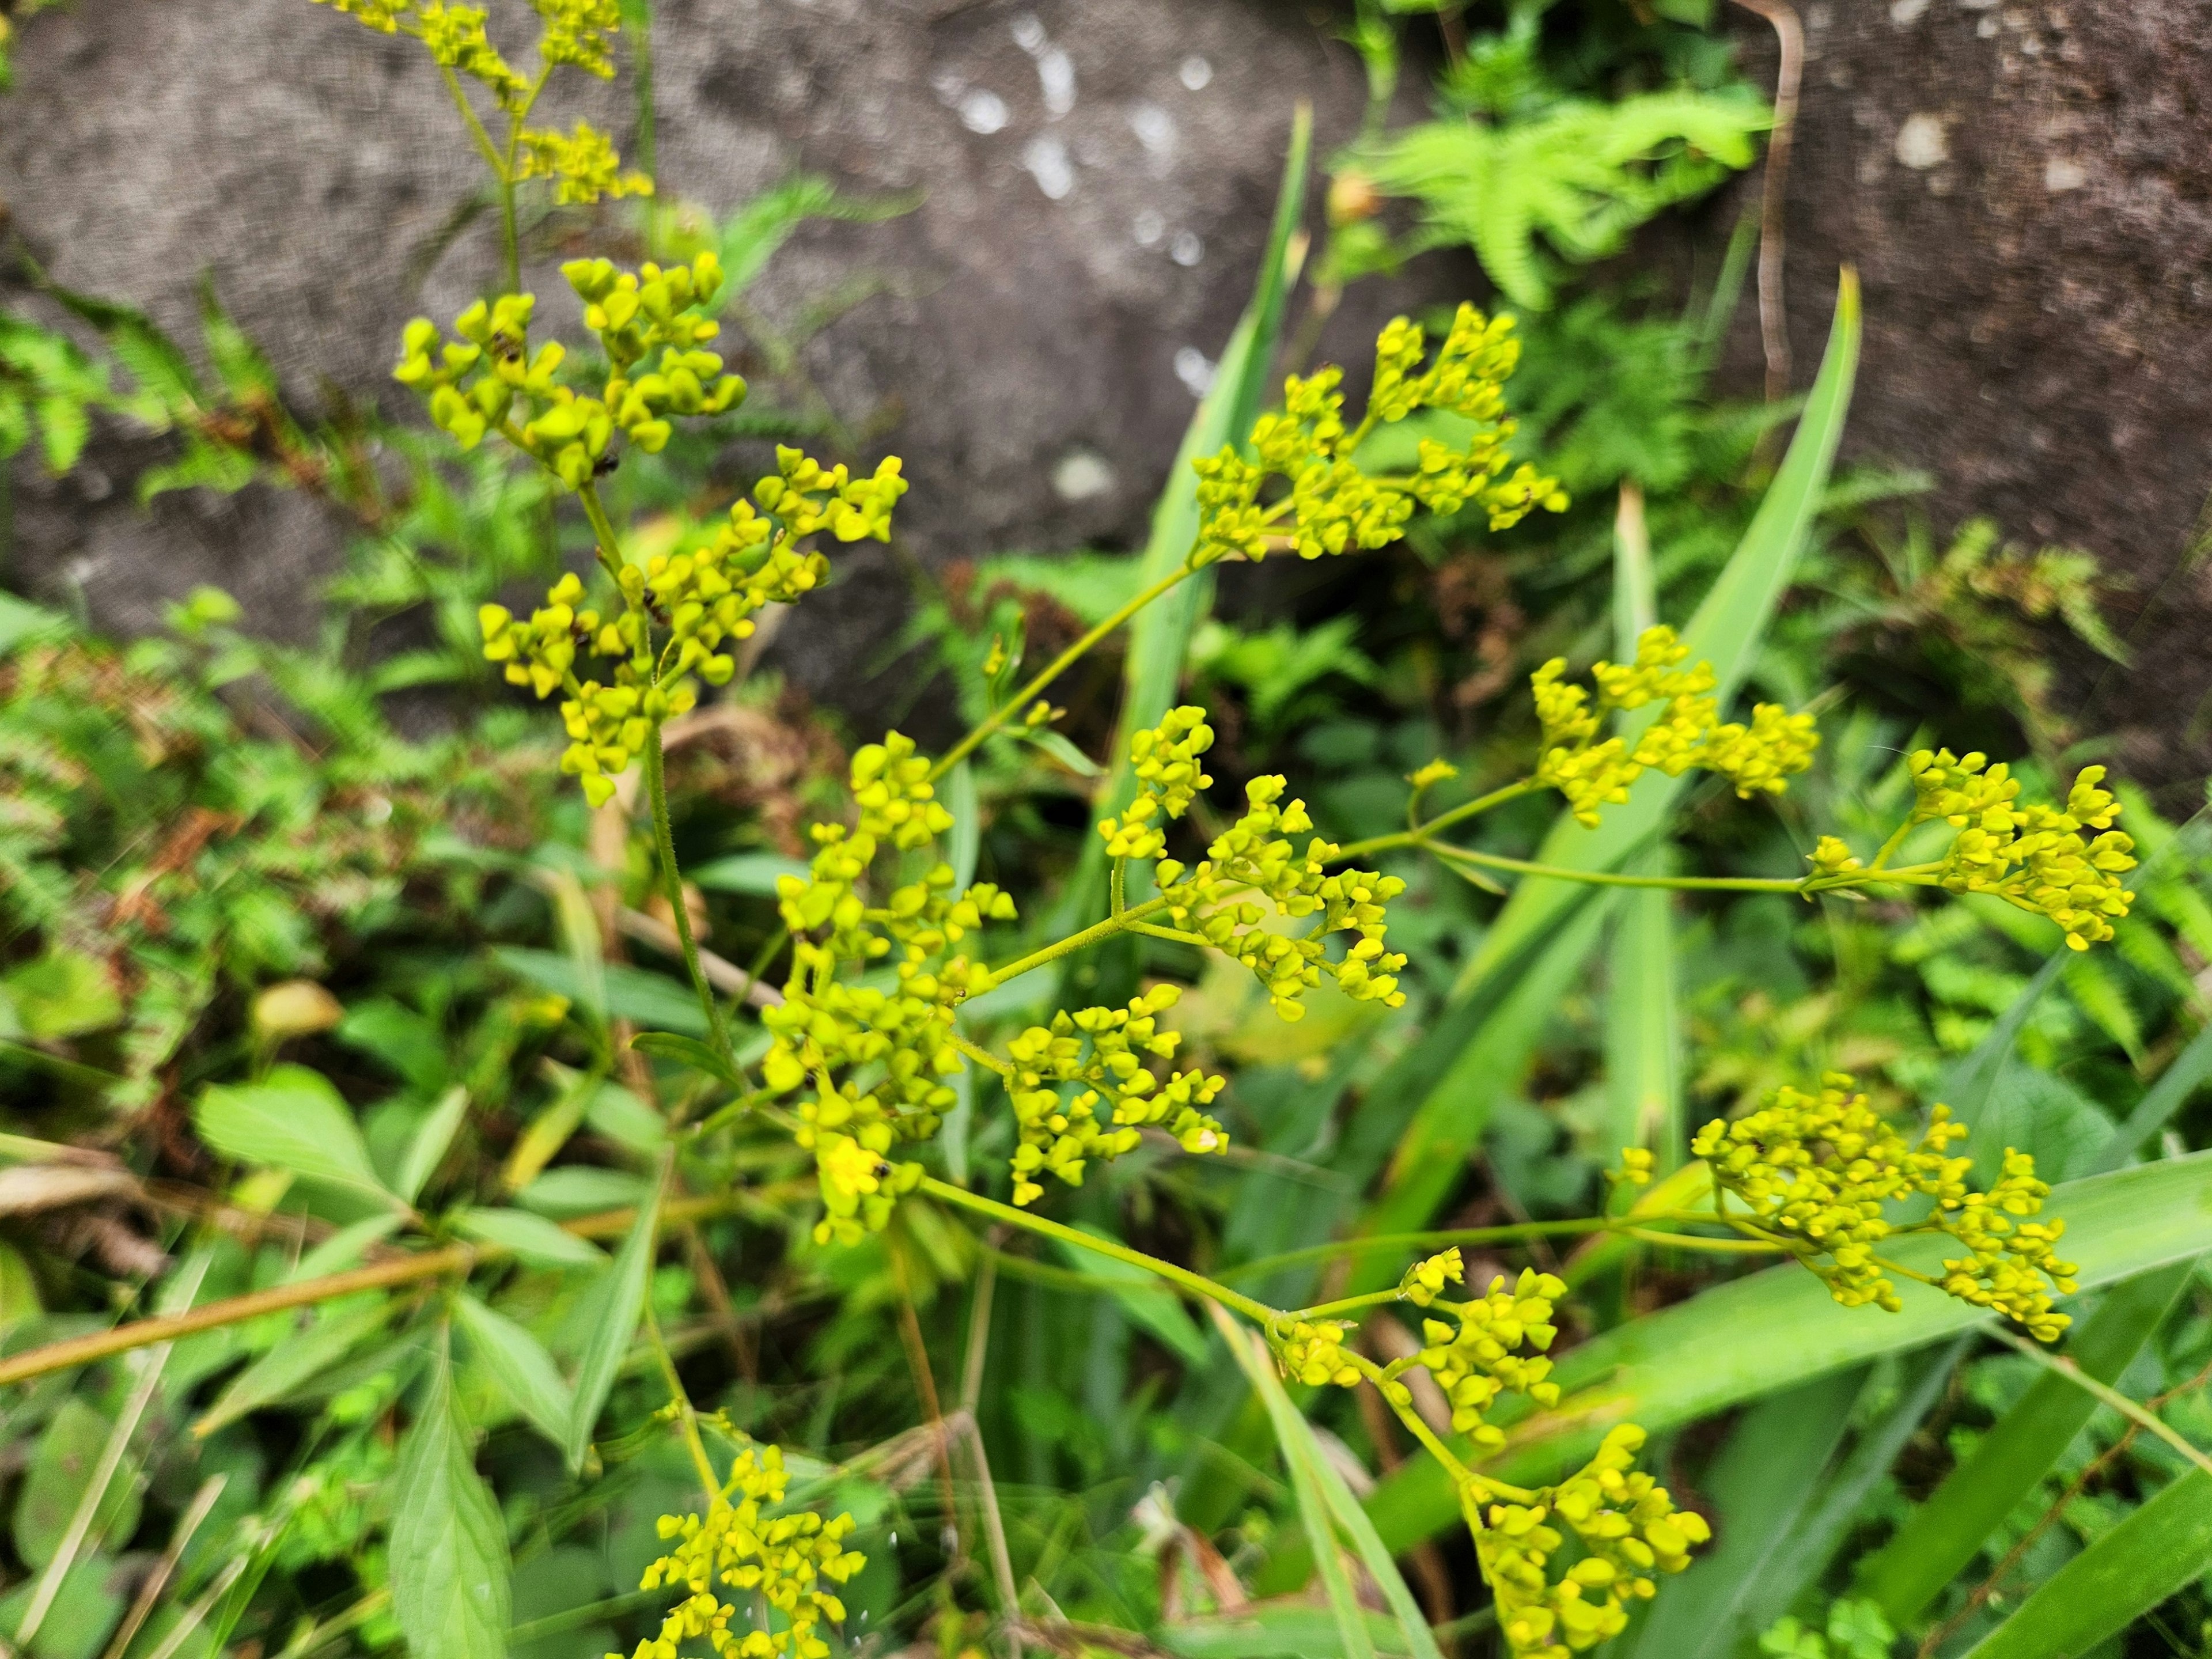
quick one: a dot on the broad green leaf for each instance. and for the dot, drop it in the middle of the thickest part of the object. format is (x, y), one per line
(22, 623)
(2180, 1080)
(62, 1462)
(1300, 1455)
(625, 992)
(343, 1247)
(1802, 1559)
(620, 1298)
(688, 1051)
(63, 993)
(518, 1362)
(1939, 1539)
(303, 1354)
(1725, 631)
(1773, 1330)
(577, 1189)
(412, 1046)
(2122, 1575)
(1761, 1484)
(449, 1560)
(428, 1149)
(623, 1118)
(755, 874)
(293, 1119)
(530, 1238)
(1137, 1293)
(83, 1615)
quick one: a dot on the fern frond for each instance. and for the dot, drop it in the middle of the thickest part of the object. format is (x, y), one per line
(1583, 174)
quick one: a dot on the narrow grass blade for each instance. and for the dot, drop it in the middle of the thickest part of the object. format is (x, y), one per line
(428, 1149)
(1938, 1539)
(1301, 1454)
(2181, 1078)
(2125, 1573)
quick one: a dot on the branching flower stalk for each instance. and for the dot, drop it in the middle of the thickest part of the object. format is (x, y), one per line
(863, 1046)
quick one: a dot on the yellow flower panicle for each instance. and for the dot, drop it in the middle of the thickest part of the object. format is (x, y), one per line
(583, 163)
(1497, 1346)
(1332, 505)
(1061, 1131)
(2035, 857)
(1169, 774)
(1628, 1528)
(899, 1038)
(1816, 1171)
(789, 1562)
(1425, 1281)
(1688, 730)
(1311, 1350)
(679, 610)
(1252, 857)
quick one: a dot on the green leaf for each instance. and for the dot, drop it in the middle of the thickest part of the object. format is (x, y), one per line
(967, 840)
(1138, 1293)
(1939, 1538)
(62, 1463)
(293, 1119)
(2124, 1574)
(63, 993)
(688, 1051)
(530, 1238)
(620, 1298)
(1773, 1330)
(303, 1354)
(449, 1561)
(428, 1148)
(518, 1362)
(2180, 1080)
(624, 1119)
(1273, 1630)
(628, 993)
(22, 623)
(755, 874)
(1300, 1453)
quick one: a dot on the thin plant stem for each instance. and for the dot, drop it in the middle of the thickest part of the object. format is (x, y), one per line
(980, 1055)
(502, 178)
(2119, 1402)
(150, 1593)
(1073, 942)
(306, 1292)
(1052, 670)
(656, 789)
(686, 1415)
(1459, 814)
(1197, 1283)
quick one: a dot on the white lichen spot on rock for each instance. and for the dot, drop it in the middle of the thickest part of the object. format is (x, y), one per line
(1081, 475)
(2060, 173)
(1922, 143)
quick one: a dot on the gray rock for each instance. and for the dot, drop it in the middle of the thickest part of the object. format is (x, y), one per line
(1095, 184)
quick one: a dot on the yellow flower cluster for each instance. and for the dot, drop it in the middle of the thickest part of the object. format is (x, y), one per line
(1251, 856)
(1060, 1134)
(1687, 731)
(1169, 775)
(787, 1561)
(900, 1038)
(1483, 1358)
(1816, 1170)
(2034, 857)
(583, 164)
(1628, 1527)
(698, 600)
(474, 385)
(1425, 1281)
(1311, 1350)
(1333, 506)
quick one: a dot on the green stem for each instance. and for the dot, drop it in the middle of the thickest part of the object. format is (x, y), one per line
(1073, 942)
(1378, 1243)
(980, 1055)
(710, 1482)
(502, 177)
(671, 886)
(1053, 670)
(1422, 834)
(1606, 879)
(1350, 1304)
(2141, 1416)
(1896, 841)
(1197, 1283)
